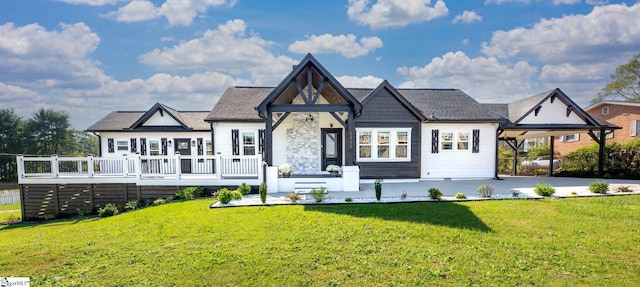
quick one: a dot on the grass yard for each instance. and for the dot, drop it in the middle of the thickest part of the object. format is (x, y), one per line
(8, 211)
(550, 242)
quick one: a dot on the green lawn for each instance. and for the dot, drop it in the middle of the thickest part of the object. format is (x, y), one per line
(550, 242)
(8, 211)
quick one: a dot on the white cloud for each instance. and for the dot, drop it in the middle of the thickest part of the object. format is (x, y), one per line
(467, 17)
(343, 44)
(359, 82)
(37, 58)
(485, 79)
(135, 11)
(91, 2)
(565, 2)
(395, 13)
(499, 2)
(177, 12)
(597, 2)
(226, 49)
(607, 32)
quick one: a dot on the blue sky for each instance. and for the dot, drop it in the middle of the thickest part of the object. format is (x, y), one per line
(90, 57)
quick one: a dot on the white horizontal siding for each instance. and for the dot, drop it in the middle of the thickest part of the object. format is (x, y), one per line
(126, 136)
(459, 164)
(222, 134)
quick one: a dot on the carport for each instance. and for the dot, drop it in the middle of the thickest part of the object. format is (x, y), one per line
(548, 115)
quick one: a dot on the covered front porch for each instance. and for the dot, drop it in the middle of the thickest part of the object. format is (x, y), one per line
(309, 125)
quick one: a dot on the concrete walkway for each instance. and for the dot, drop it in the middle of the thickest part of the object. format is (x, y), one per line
(416, 190)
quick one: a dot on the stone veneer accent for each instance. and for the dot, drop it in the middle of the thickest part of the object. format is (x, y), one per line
(303, 144)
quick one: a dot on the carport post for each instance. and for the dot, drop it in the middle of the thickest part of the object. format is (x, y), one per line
(551, 140)
(602, 142)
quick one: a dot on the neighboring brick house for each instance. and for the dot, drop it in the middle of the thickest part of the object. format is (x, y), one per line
(626, 115)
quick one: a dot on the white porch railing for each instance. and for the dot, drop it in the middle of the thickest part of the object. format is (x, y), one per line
(137, 168)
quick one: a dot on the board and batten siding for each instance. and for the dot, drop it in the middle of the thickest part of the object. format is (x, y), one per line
(456, 164)
(149, 136)
(384, 110)
(393, 169)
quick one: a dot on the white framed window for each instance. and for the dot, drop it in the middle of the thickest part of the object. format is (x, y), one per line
(462, 141)
(122, 145)
(608, 136)
(570, 138)
(605, 111)
(635, 128)
(209, 147)
(384, 144)
(455, 140)
(248, 143)
(154, 147)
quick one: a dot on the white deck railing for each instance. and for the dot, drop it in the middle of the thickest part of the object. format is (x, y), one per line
(137, 167)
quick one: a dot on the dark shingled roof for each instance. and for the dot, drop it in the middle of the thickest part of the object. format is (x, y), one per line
(238, 103)
(518, 108)
(122, 120)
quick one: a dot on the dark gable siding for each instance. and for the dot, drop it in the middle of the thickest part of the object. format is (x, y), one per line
(383, 110)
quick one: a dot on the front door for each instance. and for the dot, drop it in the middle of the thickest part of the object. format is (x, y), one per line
(184, 148)
(331, 147)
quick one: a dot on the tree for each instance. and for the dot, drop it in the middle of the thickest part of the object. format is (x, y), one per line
(48, 132)
(625, 82)
(87, 144)
(10, 143)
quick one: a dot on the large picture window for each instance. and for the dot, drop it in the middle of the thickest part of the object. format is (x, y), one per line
(384, 144)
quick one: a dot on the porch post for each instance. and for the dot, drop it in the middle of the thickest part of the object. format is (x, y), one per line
(602, 142)
(351, 142)
(495, 175)
(514, 166)
(268, 138)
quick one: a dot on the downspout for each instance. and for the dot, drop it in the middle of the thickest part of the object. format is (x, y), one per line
(99, 144)
(213, 143)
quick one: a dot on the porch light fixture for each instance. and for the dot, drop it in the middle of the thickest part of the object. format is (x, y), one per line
(193, 143)
(309, 118)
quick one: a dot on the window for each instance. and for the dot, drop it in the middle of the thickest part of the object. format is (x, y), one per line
(384, 144)
(154, 147)
(463, 141)
(570, 138)
(635, 128)
(455, 140)
(122, 145)
(249, 143)
(447, 141)
(402, 144)
(609, 134)
(605, 111)
(364, 144)
(209, 148)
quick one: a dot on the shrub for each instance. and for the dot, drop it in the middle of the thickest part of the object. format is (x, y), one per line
(598, 187)
(169, 198)
(293, 197)
(461, 195)
(515, 193)
(109, 209)
(131, 205)
(224, 196)
(486, 190)
(244, 188)
(378, 187)
(319, 194)
(403, 195)
(263, 192)
(348, 199)
(435, 193)
(236, 195)
(190, 192)
(159, 201)
(85, 211)
(544, 189)
(623, 188)
(11, 219)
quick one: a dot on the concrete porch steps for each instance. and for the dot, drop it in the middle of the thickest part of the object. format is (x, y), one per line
(307, 186)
